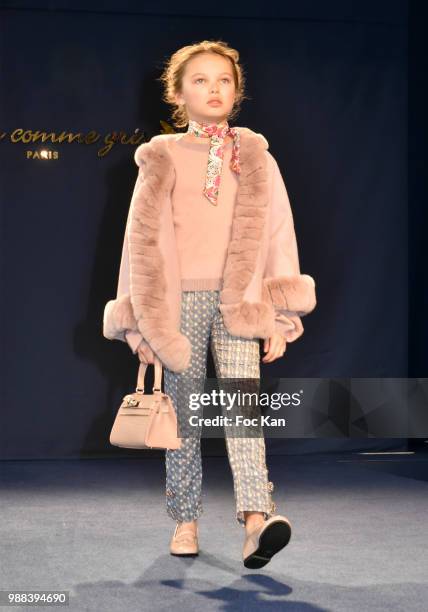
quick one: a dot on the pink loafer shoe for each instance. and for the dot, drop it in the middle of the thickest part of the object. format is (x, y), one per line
(265, 541)
(185, 543)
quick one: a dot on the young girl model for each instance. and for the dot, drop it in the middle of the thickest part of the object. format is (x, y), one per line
(210, 258)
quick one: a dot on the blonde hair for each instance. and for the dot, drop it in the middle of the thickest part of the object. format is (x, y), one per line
(172, 76)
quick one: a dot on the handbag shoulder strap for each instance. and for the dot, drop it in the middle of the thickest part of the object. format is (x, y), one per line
(142, 374)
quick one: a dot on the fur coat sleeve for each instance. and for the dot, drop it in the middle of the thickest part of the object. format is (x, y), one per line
(119, 322)
(291, 293)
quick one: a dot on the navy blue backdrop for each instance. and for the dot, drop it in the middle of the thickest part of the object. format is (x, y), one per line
(328, 89)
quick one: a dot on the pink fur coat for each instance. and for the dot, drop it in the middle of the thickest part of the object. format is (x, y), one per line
(263, 290)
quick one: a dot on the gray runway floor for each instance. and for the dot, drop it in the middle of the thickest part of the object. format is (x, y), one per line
(98, 528)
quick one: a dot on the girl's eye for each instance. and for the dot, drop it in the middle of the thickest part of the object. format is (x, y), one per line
(202, 79)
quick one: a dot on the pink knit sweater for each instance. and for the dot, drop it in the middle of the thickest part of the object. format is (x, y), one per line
(202, 230)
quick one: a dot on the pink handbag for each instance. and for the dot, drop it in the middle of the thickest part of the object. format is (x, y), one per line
(146, 420)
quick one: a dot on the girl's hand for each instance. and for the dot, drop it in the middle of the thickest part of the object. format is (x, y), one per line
(145, 353)
(274, 347)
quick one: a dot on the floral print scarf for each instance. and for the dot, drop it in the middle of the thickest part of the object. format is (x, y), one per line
(217, 132)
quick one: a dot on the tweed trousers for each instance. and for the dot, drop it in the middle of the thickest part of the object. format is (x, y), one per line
(234, 357)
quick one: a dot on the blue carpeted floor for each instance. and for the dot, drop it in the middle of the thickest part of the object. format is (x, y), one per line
(99, 529)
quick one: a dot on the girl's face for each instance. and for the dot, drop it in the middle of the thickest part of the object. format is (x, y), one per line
(207, 76)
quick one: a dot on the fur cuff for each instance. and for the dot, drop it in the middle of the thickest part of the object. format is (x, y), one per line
(295, 292)
(172, 347)
(118, 318)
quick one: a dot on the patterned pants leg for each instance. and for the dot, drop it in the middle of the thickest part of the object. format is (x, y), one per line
(234, 357)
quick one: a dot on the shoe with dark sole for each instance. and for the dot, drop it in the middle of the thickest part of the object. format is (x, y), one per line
(265, 541)
(185, 543)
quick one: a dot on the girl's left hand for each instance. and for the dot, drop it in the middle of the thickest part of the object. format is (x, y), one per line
(275, 347)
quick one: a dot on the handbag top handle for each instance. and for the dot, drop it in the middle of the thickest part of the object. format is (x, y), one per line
(142, 373)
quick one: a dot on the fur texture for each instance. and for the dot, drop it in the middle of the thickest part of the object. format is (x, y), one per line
(241, 317)
(294, 293)
(147, 280)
